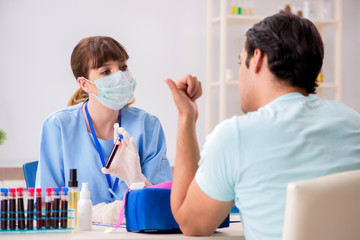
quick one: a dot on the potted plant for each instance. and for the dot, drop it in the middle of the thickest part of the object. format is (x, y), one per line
(2, 137)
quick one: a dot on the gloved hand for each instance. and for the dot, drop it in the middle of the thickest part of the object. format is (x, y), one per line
(126, 162)
(107, 214)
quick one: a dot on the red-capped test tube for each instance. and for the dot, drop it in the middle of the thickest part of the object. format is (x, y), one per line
(39, 222)
(48, 199)
(30, 209)
(12, 209)
(21, 209)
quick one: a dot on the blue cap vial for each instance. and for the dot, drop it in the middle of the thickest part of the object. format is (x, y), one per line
(4, 192)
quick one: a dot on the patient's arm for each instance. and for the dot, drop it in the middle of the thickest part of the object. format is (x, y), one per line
(195, 212)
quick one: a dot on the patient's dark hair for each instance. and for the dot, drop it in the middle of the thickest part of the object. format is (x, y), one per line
(293, 46)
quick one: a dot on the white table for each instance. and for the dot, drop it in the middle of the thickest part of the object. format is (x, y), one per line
(235, 231)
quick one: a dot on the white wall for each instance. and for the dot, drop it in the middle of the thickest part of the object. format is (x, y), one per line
(351, 53)
(164, 38)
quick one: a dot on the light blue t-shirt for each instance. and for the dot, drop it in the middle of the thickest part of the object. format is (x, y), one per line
(66, 144)
(251, 158)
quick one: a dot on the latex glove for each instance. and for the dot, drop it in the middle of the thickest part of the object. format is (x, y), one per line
(116, 132)
(107, 214)
(126, 162)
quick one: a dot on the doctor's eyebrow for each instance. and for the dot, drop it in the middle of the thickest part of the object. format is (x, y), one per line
(105, 65)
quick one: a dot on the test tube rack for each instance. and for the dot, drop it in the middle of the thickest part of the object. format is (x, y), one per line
(30, 222)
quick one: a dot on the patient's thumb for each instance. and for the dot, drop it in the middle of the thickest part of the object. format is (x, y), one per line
(172, 86)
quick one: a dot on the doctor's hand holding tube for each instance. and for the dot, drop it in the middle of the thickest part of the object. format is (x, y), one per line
(126, 162)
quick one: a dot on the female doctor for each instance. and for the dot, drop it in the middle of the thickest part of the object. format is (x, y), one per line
(81, 136)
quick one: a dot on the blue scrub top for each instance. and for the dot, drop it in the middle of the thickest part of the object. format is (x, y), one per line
(66, 144)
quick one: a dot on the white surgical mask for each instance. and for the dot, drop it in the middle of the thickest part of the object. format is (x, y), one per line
(116, 90)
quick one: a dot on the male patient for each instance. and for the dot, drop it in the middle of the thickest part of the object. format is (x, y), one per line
(286, 134)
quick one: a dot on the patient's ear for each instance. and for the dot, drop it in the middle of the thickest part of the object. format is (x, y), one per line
(258, 60)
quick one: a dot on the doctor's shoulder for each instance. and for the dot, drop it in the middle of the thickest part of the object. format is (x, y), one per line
(64, 116)
(139, 115)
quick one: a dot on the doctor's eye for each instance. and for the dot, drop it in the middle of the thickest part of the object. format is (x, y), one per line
(106, 72)
(123, 68)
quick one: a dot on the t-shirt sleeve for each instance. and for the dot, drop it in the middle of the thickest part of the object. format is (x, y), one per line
(50, 168)
(216, 173)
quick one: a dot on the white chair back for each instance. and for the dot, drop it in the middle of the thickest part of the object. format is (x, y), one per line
(324, 208)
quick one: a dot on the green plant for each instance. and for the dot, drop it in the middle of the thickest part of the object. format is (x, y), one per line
(2, 137)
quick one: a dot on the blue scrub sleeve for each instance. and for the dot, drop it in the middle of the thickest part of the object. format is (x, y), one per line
(50, 172)
(154, 163)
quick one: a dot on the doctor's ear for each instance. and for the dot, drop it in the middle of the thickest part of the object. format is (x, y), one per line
(83, 84)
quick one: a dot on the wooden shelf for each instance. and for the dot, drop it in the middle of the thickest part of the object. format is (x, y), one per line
(327, 85)
(251, 20)
(234, 19)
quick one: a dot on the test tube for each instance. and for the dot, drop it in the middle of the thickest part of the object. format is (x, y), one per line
(30, 211)
(21, 209)
(113, 151)
(56, 206)
(48, 199)
(4, 209)
(64, 207)
(12, 209)
(39, 222)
